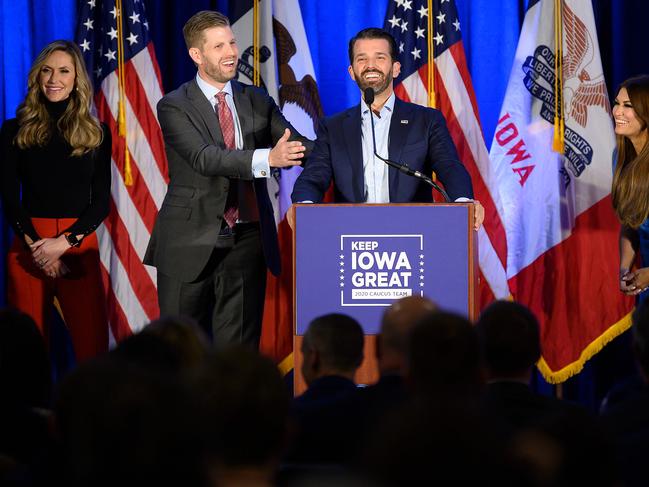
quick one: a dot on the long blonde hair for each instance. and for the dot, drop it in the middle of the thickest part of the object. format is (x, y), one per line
(630, 191)
(77, 125)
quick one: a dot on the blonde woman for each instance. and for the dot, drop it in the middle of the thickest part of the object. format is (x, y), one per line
(631, 182)
(55, 163)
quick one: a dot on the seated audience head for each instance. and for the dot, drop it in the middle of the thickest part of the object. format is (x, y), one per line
(244, 409)
(24, 363)
(444, 357)
(167, 345)
(397, 322)
(641, 337)
(119, 423)
(184, 334)
(332, 345)
(510, 340)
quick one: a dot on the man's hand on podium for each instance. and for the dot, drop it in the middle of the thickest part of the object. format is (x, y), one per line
(478, 215)
(290, 217)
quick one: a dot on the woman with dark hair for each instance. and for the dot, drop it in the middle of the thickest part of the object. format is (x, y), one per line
(56, 191)
(630, 191)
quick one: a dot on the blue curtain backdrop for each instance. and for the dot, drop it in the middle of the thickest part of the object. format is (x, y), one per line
(490, 31)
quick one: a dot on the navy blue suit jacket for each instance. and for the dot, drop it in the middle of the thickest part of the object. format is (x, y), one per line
(418, 138)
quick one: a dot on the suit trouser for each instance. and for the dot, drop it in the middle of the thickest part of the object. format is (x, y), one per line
(80, 292)
(227, 299)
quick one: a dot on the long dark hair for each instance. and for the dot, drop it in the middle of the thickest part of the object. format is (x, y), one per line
(630, 191)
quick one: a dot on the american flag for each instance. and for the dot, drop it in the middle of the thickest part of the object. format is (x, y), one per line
(408, 21)
(114, 34)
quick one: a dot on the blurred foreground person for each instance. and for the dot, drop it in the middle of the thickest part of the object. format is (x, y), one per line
(628, 419)
(326, 424)
(243, 407)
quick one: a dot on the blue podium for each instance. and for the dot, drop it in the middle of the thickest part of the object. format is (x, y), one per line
(359, 259)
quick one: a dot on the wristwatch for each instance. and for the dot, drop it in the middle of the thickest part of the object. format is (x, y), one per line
(73, 240)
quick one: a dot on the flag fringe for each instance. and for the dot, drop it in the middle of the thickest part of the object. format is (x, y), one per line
(593, 348)
(286, 365)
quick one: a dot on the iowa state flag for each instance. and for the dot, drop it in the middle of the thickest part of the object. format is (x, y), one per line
(562, 235)
(286, 71)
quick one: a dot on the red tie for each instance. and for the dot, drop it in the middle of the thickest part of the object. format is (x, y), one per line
(231, 213)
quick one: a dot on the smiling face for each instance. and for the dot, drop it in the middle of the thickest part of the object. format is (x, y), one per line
(57, 76)
(373, 66)
(627, 123)
(217, 58)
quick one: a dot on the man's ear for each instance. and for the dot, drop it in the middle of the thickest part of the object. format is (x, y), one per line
(195, 54)
(351, 72)
(396, 69)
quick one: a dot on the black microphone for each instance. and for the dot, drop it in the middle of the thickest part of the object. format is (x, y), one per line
(368, 95)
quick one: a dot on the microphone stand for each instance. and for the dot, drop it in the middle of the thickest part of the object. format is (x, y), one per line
(368, 95)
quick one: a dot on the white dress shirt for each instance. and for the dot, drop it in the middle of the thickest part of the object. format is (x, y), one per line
(260, 165)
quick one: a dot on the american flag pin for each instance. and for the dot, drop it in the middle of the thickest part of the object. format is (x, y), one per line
(405, 122)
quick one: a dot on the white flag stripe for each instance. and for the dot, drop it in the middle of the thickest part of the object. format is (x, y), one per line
(120, 282)
(491, 266)
(145, 70)
(137, 230)
(416, 89)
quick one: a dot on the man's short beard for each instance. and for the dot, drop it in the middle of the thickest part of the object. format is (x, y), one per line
(378, 89)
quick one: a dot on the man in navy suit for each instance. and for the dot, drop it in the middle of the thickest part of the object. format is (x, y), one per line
(215, 233)
(415, 135)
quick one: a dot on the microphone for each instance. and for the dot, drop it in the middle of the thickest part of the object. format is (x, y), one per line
(368, 96)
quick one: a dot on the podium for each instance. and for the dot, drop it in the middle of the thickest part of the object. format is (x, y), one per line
(358, 259)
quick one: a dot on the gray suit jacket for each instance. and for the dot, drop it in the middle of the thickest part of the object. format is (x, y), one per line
(200, 169)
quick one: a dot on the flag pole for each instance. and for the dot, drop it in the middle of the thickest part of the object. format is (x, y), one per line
(432, 102)
(121, 115)
(255, 43)
(558, 143)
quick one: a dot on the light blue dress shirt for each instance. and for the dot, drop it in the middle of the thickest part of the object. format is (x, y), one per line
(260, 165)
(375, 171)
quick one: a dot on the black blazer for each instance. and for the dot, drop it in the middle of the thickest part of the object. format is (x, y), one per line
(200, 169)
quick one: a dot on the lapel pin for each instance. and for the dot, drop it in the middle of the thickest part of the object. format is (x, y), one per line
(405, 122)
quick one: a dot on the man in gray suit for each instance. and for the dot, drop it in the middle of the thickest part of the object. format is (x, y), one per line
(215, 233)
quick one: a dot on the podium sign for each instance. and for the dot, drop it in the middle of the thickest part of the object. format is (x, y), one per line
(359, 259)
